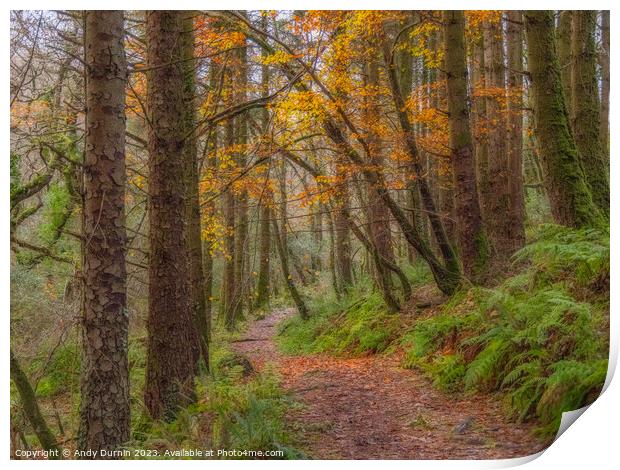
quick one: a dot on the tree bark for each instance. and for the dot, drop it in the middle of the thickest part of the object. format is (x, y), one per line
(171, 330)
(569, 193)
(104, 411)
(473, 243)
(194, 233)
(586, 109)
(605, 79)
(497, 208)
(565, 56)
(343, 239)
(514, 34)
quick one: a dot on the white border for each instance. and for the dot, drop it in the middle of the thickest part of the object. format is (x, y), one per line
(590, 443)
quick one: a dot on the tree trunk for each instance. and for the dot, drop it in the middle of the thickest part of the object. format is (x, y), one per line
(481, 144)
(563, 40)
(569, 193)
(450, 271)
(171, 331)
(241, 199)
(605, 70)
(265, 204)
(343, 240)
(31, 408)
(472, 237)
(194, 233)
(377, 213)
(586, 110)
(288, 279)
(514, 34)
(497, 209)
(104, 411)
(229, 286)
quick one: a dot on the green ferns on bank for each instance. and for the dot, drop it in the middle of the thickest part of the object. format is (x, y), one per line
(541, 336)
(354, 325)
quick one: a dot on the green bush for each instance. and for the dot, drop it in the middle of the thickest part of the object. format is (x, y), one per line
(62, 372)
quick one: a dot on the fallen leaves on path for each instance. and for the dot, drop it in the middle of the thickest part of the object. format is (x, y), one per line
(370, 408)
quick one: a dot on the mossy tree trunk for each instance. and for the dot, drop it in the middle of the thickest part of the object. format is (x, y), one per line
(565, 56)
(605, 82)
(569, 194)
(31, 407)
(586, 110)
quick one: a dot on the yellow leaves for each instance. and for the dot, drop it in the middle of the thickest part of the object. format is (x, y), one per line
(279, 57)
(423, 40)
(214, 232)
(308, 104)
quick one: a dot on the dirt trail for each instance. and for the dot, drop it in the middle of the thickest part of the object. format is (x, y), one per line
(370, 408)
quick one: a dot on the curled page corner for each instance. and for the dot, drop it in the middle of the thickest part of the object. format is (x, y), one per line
(568, 418)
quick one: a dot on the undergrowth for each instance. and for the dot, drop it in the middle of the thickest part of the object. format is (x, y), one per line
(354, 324)
(540, 338)
(233, 411)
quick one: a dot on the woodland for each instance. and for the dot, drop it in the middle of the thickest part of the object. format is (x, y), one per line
(306, 234)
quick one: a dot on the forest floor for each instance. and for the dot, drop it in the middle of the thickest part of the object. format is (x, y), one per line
(370, 408)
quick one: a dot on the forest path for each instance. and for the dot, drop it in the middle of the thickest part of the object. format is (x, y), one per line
(370, 408)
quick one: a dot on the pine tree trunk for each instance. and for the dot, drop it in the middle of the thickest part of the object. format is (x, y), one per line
(514, 35)
(473, 243)
(194, 235)
(171, 331)
(586, 110)
(569, 193)
(104, 411)
(497, 214)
